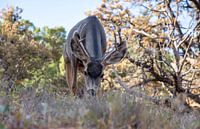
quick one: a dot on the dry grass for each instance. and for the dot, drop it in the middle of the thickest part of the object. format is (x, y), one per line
(113, 110)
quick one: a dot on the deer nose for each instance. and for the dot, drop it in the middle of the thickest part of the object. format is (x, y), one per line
(91, 92)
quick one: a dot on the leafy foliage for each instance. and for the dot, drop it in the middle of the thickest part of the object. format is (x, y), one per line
(27, 53)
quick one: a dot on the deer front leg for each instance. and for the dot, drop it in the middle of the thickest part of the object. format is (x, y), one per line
(71, 74)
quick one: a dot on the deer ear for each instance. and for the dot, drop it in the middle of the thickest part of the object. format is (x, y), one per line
(116, 54)
(77, 47)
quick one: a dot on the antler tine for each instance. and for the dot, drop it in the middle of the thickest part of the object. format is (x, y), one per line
(119, 34)
(116, 44)
(115, 36)
(107, 54)
(79, 41)
(83, 48)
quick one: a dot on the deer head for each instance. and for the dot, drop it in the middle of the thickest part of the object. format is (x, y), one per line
(93, 68)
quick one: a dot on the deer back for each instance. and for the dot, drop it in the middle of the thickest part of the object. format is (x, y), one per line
(92, 35)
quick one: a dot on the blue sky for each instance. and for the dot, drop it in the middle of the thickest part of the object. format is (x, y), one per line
(64, 13)
(53, 13)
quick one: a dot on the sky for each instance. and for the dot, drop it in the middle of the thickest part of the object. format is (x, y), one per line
(53, 13)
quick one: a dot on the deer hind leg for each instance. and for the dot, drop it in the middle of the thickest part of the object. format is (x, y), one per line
(70, 73)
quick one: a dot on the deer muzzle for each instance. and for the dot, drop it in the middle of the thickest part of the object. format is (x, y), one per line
(91, 92)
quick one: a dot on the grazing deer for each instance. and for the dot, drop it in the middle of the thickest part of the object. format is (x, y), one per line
(85, 50)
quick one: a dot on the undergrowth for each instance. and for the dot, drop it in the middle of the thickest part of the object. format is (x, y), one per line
(113, 110)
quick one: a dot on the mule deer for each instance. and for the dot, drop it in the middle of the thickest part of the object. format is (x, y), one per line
(85, 50)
